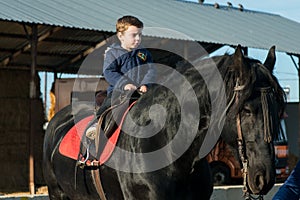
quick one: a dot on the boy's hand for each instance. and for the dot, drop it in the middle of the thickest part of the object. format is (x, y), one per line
(143, 89)
(130, 87)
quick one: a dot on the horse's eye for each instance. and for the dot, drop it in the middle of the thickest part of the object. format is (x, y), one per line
(247, 111)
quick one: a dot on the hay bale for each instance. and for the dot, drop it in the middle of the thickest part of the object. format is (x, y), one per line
(15, 116)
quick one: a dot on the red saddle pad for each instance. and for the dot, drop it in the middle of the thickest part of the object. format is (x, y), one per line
(70, 144)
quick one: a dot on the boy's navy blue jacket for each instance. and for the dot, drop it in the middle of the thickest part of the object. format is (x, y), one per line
(122, 67)
(290, 190)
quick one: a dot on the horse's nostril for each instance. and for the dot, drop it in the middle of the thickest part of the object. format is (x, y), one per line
(259, 181)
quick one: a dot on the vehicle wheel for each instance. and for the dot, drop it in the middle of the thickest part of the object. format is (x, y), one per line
(220, 174)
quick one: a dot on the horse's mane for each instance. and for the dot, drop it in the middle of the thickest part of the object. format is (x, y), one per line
(258, 76)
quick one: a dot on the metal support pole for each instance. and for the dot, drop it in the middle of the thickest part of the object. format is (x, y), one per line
(45, 94)
(298, 102)
(298, 70)
(32, 96)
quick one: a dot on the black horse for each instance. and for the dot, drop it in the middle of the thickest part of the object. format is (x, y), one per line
(163, 162)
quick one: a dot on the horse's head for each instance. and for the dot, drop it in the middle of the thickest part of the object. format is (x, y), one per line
(255, 105)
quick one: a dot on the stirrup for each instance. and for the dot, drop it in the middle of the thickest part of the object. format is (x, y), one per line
(91, 132)
(81, 162)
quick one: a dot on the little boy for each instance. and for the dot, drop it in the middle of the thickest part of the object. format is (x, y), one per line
(127, 66)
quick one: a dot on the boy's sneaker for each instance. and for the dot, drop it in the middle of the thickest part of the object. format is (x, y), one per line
(91, 131)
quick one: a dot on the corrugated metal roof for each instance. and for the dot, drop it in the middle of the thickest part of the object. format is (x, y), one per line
(202, 23)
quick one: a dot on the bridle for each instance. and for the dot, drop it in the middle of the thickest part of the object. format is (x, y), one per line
(240, 141)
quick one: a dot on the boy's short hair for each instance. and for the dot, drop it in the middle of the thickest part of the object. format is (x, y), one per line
(124, 22)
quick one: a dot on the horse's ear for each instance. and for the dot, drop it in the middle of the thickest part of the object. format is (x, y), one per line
(238, 56)
(271, 59)
(239, 61)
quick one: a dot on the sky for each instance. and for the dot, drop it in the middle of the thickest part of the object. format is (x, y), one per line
(285, 70)
(286, 8)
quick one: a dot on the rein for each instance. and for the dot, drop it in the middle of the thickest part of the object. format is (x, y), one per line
(240, 140)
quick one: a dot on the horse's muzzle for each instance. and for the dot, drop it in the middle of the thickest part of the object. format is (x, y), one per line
(259, 183)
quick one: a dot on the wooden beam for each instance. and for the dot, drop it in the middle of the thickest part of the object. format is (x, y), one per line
(45, 53)
(83, 54)
(32, 96)
(26, 46)
(13, 35)
(71, 41)
(52, 40)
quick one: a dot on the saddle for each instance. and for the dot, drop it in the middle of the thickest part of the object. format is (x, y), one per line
(94, 152)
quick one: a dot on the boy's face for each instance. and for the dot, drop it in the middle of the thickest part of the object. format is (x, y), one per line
(131, 38)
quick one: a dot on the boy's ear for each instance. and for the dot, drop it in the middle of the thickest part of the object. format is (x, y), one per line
(119, 35)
